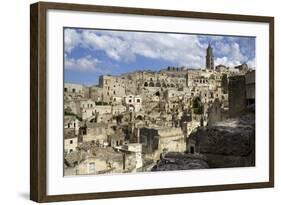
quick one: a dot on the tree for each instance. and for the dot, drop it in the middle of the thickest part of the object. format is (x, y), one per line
(197, 106)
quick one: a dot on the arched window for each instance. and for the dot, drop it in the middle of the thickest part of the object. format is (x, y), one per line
(151, 84)
(145, 84)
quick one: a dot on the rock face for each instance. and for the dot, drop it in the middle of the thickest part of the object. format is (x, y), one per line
(227, 144)
(180, 161)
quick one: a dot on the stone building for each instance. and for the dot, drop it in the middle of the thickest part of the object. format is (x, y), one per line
(216, 113)
(243, 68)
(88, 103)
(92, 165)
(118, 109)
(73, 91)
(96, 93)
(162, 138)
(237, 95)
(134, 148)
(96, 110)
(111, 86)
(71, 122)
(134, 119)
(96, 133)
(70, 140)
(221, 68)
(134, 103)
(250, 81)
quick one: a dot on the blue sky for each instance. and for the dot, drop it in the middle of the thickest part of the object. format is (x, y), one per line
(89, 53)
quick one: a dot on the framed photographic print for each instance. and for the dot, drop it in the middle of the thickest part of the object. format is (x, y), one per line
(134, 102)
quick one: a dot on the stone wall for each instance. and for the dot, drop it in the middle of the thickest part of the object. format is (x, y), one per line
(237, 95)
(250, 80)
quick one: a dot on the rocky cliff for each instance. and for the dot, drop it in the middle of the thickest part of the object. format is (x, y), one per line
(180, 161)
(227, 144)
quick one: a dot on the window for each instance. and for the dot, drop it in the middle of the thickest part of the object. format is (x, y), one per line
(73, 90)
(71, 142)
(70, 150)
(130, 101)
(65, 89)
(138, 100)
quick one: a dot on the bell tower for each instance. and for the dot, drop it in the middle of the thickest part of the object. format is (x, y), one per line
(209, 58)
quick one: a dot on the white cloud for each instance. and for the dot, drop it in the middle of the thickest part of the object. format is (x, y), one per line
(125, 46)
(226, 61)
(231, 50)
(87, 63)
(177, 49)
(252, 63)
(71, 39)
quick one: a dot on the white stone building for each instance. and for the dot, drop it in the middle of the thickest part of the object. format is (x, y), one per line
(134, 103)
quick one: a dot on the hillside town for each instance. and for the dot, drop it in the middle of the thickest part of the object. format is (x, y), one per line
(177, 118)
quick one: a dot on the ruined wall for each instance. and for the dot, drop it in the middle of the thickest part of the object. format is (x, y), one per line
(237, 95)
(215, 113)
(250, 80)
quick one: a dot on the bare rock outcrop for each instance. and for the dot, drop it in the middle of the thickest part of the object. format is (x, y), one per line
(227, 144)
(180, 161)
